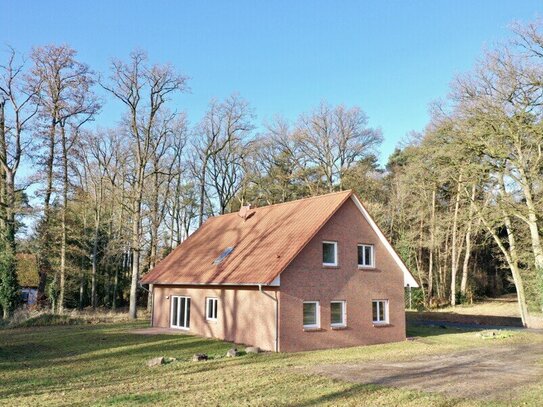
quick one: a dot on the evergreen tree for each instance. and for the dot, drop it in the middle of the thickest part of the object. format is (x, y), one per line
(9, 286)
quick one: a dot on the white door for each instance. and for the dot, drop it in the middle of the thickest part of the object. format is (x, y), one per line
(180, 312)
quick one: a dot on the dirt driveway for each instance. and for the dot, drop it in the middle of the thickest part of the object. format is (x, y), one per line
(483, 373)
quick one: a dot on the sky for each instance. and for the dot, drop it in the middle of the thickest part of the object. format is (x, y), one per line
(390, 58)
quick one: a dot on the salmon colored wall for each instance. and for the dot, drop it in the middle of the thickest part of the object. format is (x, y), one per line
(306, 279)
(245, 315)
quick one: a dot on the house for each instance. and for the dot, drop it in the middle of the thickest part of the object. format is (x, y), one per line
(27, 275)
(308, 274)
(29, 296)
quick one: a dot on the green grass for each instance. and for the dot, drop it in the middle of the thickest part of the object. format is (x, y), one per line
(493, 308)
(104, 365)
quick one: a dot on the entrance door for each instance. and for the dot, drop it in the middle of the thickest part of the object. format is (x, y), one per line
(180, 312)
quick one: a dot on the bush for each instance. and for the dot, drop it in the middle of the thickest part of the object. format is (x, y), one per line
(47, 319)
(462, 298)
(24, 318)
(417, 299)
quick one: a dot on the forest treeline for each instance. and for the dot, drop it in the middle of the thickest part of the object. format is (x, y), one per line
(460, 202)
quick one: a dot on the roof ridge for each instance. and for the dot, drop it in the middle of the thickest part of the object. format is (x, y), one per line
(345, 191)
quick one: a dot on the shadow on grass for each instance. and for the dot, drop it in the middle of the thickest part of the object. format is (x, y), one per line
(428, 329)
(41, 361)
(483, 321)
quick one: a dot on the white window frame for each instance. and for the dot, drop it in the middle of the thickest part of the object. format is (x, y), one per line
(364, 266)
(211, 300)
(317, 316)
(185, 319)
(378, 321)
(335, 253)
(343, 314)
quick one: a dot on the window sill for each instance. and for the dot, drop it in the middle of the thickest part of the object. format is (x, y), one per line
(212, 321)
(330, 266)
(316, 329)
(339, 327)
(381, 324)
(368, 268)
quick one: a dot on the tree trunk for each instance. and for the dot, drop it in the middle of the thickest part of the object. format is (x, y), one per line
(511, 257)
(97, 217)
(418, 258)
(136, 235)
(454, 252)
(533, 226)
(63, 219)
(81, 289)
(115, 283)
(465, 265)
(43, 261)
(155, 220)
(431, 249)
(202, 193)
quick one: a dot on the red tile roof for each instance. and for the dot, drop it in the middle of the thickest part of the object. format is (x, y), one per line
(264, 244)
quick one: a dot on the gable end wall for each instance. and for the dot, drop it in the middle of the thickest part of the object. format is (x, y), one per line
(306, 279)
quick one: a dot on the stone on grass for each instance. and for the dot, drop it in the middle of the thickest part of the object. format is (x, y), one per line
(198, 357)
(156, 361)
(232, 353)
(252, 349)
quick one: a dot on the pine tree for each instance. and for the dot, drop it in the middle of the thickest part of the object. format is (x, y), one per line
(9, 286)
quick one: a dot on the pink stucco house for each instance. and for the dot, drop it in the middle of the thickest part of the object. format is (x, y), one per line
(308, 274)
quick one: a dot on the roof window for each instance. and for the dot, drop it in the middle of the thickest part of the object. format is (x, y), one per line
(224, 255)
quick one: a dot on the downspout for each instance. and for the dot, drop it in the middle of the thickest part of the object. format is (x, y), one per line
(276, 322)
(276, 341)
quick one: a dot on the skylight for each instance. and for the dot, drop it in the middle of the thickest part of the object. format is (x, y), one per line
(224, 255)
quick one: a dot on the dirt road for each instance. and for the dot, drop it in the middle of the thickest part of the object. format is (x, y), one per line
(483, 373)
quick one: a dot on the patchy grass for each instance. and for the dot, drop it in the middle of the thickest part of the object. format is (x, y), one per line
(47, 320)
(494, 334)
(27, 318)
(104, 365)
(505, 308)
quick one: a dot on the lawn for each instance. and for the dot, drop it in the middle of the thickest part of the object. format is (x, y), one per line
(505, 306)
(103, 364)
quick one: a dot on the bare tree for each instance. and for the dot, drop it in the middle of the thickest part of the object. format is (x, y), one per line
(334, 138)
(219, 149)
(17, 109)
(144, 90)
(66, 102)
(16, 113)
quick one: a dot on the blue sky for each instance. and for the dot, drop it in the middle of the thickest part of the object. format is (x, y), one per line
(391, 58)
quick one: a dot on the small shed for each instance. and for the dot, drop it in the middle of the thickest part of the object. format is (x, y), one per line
(27, 274)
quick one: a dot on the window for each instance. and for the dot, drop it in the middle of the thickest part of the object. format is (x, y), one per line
(338, 314)
(180, 313)
(311, 314)
(226, 252)
(211, 309)
(329, 253)
(365, 255)
(380, 311)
